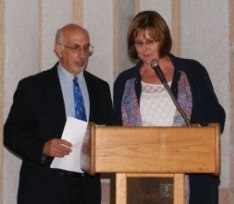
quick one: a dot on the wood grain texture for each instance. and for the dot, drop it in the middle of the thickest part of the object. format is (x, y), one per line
(152, 150)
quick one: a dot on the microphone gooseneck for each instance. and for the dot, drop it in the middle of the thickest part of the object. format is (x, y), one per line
(158, 71)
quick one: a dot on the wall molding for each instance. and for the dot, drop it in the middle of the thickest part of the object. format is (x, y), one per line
(116, 40)
(175, 26)
(39, 64)
(78, 12)
(137, 6)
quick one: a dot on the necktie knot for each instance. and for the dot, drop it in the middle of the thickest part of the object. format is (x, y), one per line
(75, 80)
(78, 100)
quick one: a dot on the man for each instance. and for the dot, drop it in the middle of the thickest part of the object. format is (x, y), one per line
(37, 117)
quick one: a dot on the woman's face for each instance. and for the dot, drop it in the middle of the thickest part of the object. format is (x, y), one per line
(147, 48)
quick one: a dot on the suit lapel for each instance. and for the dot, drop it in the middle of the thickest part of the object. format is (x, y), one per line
(55, 96)
(91, 88)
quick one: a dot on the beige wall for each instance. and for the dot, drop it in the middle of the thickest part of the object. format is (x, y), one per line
(201, 29)
(227, 193)
(1, 97)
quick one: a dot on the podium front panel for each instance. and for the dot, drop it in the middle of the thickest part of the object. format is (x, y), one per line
(150, 190)
(152, 150)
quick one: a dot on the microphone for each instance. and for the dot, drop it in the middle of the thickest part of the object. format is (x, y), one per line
(158, 71)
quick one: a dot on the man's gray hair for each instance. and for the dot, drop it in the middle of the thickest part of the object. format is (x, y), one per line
(59, 36)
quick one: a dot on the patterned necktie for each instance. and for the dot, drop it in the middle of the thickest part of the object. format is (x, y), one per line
(79, 102)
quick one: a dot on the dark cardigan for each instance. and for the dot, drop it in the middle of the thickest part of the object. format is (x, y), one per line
(206, 109)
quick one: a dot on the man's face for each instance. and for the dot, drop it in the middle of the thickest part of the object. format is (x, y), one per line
(73, 51)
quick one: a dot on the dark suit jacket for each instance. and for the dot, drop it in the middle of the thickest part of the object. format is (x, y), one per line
(38, 114)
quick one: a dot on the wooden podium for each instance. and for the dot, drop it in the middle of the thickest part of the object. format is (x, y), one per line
(151, 152)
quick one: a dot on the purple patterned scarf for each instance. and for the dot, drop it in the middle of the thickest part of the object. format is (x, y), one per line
(130, 107)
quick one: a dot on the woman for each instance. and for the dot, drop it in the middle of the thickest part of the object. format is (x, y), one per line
(140, 99)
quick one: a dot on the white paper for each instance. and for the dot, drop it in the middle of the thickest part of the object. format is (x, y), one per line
(74, 132)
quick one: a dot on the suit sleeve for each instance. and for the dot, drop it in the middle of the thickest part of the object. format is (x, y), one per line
(19, 136)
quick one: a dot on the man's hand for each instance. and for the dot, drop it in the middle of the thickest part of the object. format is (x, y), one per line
(57, 148)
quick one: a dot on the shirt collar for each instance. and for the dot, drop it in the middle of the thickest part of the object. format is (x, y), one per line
(69, 76)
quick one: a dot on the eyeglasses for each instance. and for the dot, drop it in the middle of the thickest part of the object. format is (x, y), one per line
(146, 43)
(88, 49)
